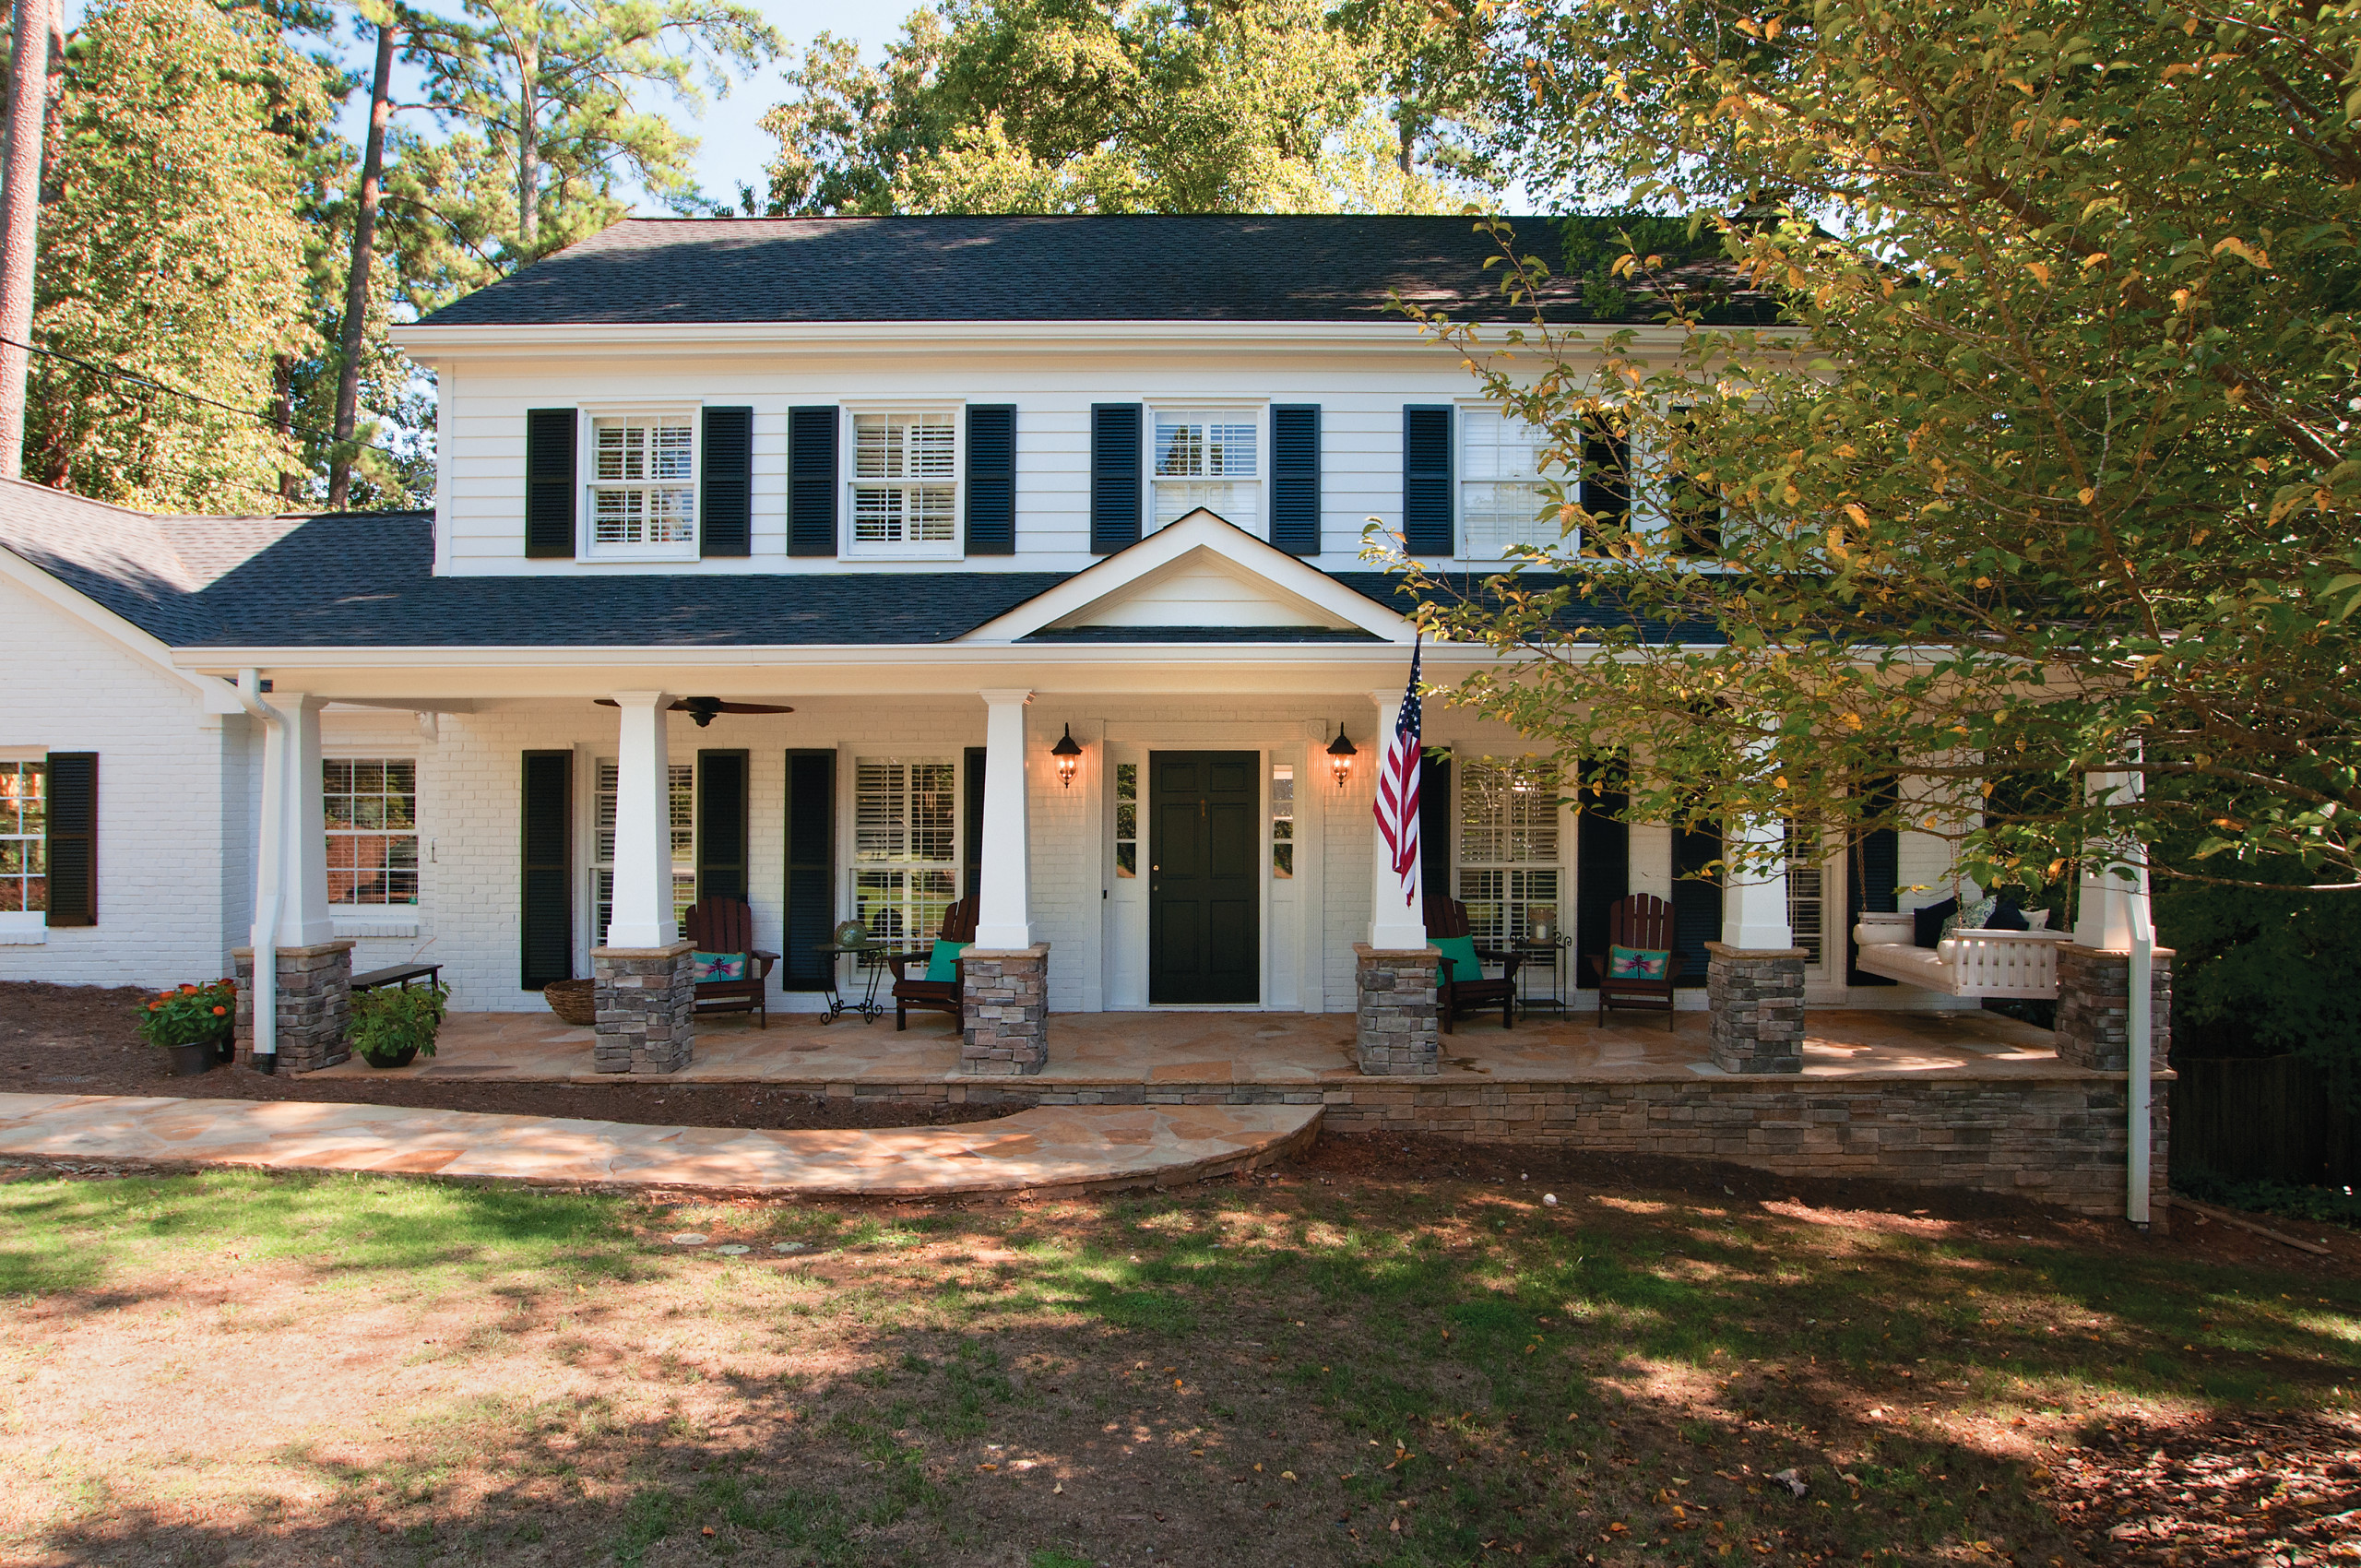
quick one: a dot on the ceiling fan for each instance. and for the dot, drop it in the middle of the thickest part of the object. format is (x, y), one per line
(702, 709)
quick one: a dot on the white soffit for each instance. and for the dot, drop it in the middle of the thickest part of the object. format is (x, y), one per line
(1197, 571)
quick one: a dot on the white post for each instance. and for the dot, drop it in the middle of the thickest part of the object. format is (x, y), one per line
(643, 889)
(1754, 913)
(2115, 917)
(1004, 914)
(1396, 923)
(303, 859)
(2105, 919)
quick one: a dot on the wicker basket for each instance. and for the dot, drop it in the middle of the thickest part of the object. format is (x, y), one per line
(575, 1001)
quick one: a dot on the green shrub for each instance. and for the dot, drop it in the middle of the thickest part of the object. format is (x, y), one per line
(191, 1015)
(2325, 1205)
(393, 1019)
(2262, 972)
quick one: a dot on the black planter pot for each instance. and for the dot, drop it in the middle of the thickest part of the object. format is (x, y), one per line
(399, 1059)
(188, 1060)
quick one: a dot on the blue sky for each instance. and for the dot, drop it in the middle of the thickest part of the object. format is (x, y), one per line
(733, 148)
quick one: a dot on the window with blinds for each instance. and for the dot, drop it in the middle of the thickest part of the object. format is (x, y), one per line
(1807, 907)
(641, 492)
(1509, 863)
(682, 805)
(905, 869)
(904, 489)
(1210, 459)
(1501, 494)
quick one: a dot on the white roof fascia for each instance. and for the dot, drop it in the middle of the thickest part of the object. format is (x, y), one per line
(1202, 530)
(72, 601)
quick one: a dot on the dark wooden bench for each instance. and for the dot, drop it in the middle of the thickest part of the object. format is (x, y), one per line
(399, 974)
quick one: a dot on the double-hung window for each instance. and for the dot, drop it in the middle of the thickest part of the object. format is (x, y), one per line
(1501, 494)
(641, 498)
(680, 779)
(1508, 845)
(1210, 459)
(905, 485)
(1806, 892)
(371, 808)
(24, 826)
(906, 871)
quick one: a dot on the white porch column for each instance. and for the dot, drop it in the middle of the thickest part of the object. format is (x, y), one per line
(1396, 924)
(2106, 918)
(302, 862)
(1754, 914)
(1004, 914)
(642, 915)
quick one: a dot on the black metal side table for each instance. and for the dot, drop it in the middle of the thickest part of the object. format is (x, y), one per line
(1541, 977)
(876, 960)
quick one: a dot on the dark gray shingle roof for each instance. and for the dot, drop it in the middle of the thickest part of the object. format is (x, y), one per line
(657, 271)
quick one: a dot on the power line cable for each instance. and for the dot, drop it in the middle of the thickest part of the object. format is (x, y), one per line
(119, 373)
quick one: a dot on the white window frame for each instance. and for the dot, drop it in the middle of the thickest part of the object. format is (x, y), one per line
(30, 928)
(347, 909)
(588, 484)
(1257, 414)
(1462, 524)
(920, 915)
(850, 482)
(1517, 895)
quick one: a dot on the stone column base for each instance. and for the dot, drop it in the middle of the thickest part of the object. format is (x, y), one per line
(1756, 997)
(2093, 1026)
(647, 1000)
(1394, 1032)
(1004, 1010)
(315, 1006)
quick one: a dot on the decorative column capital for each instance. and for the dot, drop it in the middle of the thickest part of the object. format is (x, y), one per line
(639, 699)
(1001, 696)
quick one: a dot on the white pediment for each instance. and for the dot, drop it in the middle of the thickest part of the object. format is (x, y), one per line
(1198, 571)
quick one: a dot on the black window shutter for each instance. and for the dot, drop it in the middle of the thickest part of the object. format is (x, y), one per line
(1426, 480)
(1434, 826)
(1602, 875)
(971, 807)
(811, 480)
(1874, 870)
(548, 892)
(727, 527)
(811, 868)
(71, 849)
(1295, 477)
(548, 483)
(992, 479)
(1696, 906)
(721, 825)
(1115, 486)
(1607, 473)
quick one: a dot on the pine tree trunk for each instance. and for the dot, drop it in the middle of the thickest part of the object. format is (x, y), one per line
(529, 169)
(356, 286)
(19, 220)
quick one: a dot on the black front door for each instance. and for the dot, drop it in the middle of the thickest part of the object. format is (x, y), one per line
(1204, 904)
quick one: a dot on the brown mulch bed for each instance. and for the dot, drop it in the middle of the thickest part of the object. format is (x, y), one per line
(83, 1040)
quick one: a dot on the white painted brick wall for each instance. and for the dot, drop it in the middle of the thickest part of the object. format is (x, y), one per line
(171, 905)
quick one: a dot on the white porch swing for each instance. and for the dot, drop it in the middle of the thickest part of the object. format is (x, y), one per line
(2021, 964)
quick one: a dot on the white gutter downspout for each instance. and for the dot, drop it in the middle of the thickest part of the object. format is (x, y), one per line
(2141, 1054)
(264, 940)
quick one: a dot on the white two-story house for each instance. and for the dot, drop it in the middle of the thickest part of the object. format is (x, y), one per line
(779, 560)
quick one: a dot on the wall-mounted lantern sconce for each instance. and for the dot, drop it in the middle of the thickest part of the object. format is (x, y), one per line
(1341, 752)
(1069, 757)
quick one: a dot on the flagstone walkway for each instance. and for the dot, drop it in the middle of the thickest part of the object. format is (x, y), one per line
(1050, 1149)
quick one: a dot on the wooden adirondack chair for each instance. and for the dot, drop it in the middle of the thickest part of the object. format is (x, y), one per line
(1448, 917)
(943, 996)
(1640, 920)
(727, 925)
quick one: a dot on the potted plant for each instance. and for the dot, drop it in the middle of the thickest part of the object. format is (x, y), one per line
(192, 1022)
(393, 1024)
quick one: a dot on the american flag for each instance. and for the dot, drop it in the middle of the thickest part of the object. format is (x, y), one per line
(1397, 789)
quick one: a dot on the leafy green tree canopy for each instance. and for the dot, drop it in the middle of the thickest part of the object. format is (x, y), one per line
(2049, 467)
(1117, 106)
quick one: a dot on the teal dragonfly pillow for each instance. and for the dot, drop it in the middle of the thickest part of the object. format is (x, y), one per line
(718, 965)
(1637, 963)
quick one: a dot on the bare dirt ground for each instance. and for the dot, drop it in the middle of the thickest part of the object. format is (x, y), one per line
(82, 1039)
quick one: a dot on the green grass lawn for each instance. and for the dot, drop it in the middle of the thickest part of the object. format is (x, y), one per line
(1327, 1367)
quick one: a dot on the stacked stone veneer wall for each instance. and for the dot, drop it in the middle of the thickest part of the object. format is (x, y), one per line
(1757, 997)
(1006, 1012)
(2055, 1138)
(315, 1006)
(1394, 1033)
(646, 1001)
(2094, 1008)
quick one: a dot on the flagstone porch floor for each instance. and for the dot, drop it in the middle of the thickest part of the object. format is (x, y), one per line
(1278, 1049)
